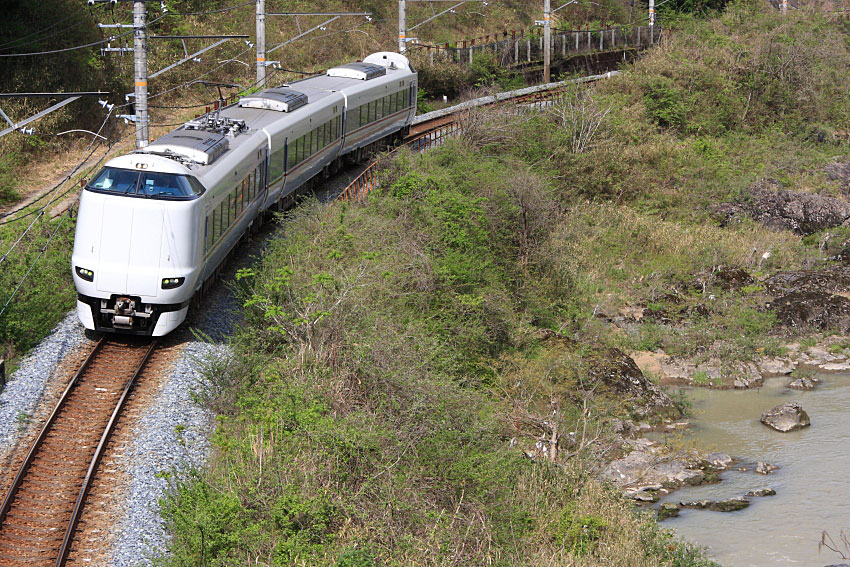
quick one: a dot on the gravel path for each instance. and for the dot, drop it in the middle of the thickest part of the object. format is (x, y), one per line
(26, 386)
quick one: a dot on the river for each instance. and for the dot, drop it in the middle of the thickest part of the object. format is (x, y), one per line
(811, 483)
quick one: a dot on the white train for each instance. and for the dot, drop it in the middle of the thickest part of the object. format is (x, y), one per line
(156, 224)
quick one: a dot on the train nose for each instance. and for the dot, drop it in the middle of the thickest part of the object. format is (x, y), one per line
(130, 248)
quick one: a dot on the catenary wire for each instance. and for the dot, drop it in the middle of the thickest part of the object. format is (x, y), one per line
(76, 47)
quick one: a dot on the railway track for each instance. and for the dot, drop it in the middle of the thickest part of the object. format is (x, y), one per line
(40, 513)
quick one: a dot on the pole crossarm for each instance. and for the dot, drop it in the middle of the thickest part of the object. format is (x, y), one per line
(15, 125)
(188, 58)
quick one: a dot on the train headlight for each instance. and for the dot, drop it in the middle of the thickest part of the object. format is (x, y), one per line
(171, 283)
(85, 274)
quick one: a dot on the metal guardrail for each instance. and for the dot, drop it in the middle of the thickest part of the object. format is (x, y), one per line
(369, 180)
(522, 49)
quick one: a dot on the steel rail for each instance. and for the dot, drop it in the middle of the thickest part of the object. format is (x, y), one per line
(104, 439)
(19, 478)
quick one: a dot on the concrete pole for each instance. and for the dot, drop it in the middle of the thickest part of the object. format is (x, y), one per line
(651, 21)
(547, 40)
(261, 43)
(140, 62)
(402, 26)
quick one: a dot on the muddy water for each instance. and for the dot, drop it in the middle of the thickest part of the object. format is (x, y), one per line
(812, 485)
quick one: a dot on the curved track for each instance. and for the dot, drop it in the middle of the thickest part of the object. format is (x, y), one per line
(40, 513)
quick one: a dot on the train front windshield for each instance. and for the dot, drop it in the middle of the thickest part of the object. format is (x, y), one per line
(145, 184)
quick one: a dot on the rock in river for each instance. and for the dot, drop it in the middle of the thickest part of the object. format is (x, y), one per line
(802, 384)
(765, 468)
(762, 492)
(729, 505)
(786, 417)
(667, 510)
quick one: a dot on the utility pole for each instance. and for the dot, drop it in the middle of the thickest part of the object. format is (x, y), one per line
(547, 41)
(261, 43)
(784, 7)
(140, 60)
(651, 21)
(402, 26)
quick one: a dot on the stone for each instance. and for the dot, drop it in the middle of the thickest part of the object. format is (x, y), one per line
(765, 468)
(834, 279)
(776, 367)
(762, 492)
(813, 310)
(835, 367)
(786, 417)
(640, 471)
(747, 375)
(617, 371)
(728, 505)
(780, 209)
(802, 384)
(718, 461)
(667, 510)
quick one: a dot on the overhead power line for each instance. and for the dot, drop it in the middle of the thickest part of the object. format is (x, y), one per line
(76, 47)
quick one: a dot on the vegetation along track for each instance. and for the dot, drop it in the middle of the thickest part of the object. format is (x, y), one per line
(41, 511)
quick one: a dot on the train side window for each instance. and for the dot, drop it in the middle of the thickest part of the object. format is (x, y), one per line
(216, 224)
(386, 100)
(314, 141)
(337, 122)
(292, 162)
(299, 150)
(328, 127)
(379, 109)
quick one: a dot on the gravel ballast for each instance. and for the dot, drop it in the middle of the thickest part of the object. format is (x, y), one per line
(26, 386)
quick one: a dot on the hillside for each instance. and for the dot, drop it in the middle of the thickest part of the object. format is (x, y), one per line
(405, 362)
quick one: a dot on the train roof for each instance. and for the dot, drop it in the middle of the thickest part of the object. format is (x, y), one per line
(238, 128)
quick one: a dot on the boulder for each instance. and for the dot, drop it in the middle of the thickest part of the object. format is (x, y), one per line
(667, 510)
(765, 468)
(776, 367)
(789, 416)
(618, 372)
(762, 492)
(728, 505)
(813, 310)
(802, 384)
(835, 279)
(640, 471)
(803, 213)
(718, 461)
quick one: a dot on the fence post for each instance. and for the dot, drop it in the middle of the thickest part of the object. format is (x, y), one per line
(2, 373)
